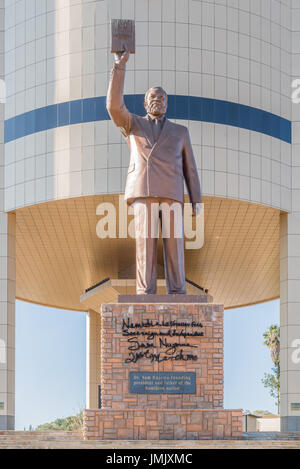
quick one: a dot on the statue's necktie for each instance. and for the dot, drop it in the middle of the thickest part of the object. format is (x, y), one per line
(156, 126)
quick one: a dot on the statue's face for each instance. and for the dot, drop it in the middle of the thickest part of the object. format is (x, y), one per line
(156, 102)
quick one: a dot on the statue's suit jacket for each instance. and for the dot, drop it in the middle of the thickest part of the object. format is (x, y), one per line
(156, 169)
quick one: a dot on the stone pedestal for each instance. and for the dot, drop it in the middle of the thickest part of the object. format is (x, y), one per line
(162, 374)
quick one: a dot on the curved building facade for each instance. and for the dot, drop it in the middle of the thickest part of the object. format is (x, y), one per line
(226, 70)
(227, 67)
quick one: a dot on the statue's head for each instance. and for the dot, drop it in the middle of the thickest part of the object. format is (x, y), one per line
(156, 101)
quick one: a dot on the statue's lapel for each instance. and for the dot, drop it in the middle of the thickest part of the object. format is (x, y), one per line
(163, 135)
(164, 132)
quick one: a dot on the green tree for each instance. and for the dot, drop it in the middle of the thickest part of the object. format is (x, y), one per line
(73, 423)
(272, 380)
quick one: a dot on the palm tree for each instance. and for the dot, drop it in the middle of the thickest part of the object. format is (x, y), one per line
(272, 381)
(272, 340)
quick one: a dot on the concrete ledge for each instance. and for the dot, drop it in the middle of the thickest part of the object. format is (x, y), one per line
(162, 424)
(165, 299)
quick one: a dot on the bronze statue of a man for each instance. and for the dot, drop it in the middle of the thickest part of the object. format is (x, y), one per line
(161, 158)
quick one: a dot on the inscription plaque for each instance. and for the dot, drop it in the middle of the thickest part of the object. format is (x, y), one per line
(146, 382)
(122, 36)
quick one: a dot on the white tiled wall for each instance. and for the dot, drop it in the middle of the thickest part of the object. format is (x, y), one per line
(289, 262)
(232, 50)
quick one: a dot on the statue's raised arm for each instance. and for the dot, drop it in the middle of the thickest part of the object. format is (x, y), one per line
(115, 100)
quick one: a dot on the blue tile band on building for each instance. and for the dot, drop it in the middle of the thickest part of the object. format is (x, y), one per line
(147, 382)
(179, 107)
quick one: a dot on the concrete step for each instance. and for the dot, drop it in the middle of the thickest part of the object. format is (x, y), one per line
(73, 440)
(271, 436)
(153, 445)
(32, 435)
(46, 440)
(40, 432)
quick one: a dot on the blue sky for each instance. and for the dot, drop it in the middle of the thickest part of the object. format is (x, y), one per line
(50, 364)
(246, 358)
(50, 361)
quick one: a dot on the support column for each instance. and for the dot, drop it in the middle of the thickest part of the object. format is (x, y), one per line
(7, 320)
(290, 322)
(7, 275)
(93, 363)
(290, 259)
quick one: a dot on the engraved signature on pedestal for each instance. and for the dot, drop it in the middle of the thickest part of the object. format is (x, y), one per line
(169, 351)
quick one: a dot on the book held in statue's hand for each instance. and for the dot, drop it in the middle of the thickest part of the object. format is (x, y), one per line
(122, 36)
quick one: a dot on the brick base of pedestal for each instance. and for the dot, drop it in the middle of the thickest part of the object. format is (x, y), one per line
(162, 374)
(162, 424)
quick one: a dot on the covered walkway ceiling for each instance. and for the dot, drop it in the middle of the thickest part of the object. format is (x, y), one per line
(59, 254)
